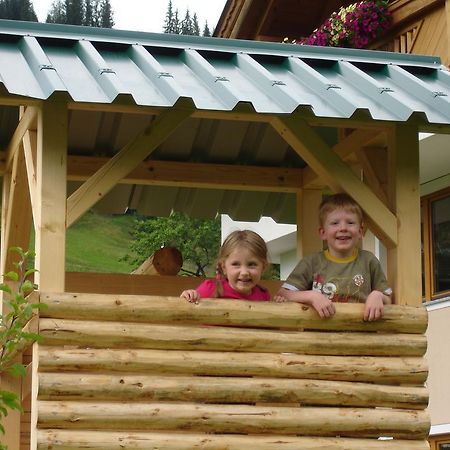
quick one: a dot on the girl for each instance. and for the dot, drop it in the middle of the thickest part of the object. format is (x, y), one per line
(241, 262)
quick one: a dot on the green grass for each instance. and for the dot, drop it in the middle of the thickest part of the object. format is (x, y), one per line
(96, 243)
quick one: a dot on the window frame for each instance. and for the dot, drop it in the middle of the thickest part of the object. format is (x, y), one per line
(428, 245)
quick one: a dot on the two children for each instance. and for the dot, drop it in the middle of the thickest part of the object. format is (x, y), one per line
(342, 273)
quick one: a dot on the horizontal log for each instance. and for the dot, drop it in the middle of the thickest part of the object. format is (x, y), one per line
(321, 421)
(116, 440)
(173, 310)
(139, 335)
(74, 386)
(334, 368)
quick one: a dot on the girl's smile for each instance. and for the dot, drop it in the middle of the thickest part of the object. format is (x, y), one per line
(243, 270)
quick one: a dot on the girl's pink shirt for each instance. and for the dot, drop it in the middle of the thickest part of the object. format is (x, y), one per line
(207, 288)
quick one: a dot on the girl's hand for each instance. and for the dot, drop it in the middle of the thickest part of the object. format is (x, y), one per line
(374, 307)
(191, 295)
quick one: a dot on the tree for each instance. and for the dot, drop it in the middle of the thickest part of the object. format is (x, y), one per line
(57, 12)
(106, 14)
(206, 31)
(74, 12)
(189, 25)
(171, 24)
(198, 240)
(17, 10)
(94, 13)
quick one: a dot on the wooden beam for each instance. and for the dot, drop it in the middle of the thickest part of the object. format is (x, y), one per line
(319, 156)
(407, 9)
(27, 121)
(344, 148)
(125, 161)
(51, 181)
(17, 219)
(30, 152)
(370, 174)
(117, 440)
(404, 261)
(194, 175)
(308, 201)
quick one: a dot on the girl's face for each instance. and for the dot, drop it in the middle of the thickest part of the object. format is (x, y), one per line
(342, 230)
(243, 270)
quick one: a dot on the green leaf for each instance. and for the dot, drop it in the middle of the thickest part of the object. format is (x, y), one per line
(5, 288)
(17, 370)
(12, 275)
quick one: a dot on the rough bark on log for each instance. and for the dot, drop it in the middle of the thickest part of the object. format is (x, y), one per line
(310, 421)
(115, 440)
(172, 310)
(362, 369)
(108, 387)
(139, 335)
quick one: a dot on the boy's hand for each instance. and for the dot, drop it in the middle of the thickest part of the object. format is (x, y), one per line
(191, 295)
(279, 298)
(374, 307)
(323, 305)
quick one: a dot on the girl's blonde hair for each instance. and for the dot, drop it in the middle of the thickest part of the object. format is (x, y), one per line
(248, 239)
(336, 201)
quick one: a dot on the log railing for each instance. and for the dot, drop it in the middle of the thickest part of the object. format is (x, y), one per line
(160, 373)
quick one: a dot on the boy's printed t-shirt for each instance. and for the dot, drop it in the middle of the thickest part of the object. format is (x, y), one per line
(348, 280)
(208, 287)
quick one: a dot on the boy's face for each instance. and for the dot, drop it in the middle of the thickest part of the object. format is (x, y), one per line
(342, 230)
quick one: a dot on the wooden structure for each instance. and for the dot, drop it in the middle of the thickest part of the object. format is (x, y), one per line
(107, 119)
(419, 27)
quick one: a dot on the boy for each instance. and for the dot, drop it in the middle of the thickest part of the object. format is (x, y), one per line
(343, 272)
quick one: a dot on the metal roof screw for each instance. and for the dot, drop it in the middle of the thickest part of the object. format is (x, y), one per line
(278, 83)
(46, 67)
(439, 94)
(381, 90)
(333, 86)
(106, 70)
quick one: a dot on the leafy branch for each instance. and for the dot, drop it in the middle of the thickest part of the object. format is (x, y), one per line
(14, 336)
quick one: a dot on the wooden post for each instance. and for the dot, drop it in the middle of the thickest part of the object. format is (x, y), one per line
(50, 223)
(308, 240)
(404, 260)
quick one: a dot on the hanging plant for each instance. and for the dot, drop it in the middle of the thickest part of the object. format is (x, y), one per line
(353, 26)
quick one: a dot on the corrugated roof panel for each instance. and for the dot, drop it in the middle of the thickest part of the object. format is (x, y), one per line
(217, 74)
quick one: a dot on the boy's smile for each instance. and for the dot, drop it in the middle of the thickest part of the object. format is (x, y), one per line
(342, 230)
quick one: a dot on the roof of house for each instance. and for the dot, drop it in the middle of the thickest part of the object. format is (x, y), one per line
(113, 67)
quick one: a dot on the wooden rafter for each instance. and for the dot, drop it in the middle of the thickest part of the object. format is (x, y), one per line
(320, 157)
(124, 162)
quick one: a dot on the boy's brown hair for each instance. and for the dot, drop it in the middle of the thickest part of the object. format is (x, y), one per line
(341, 200)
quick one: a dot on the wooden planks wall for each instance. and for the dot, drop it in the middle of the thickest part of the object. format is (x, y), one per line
(147, 372)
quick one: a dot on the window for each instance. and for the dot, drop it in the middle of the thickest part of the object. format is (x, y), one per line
(436, 245)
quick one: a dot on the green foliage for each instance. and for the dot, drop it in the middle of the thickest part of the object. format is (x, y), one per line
(17, 10)
(99, 243)
(93, 13)
(198, 240)
(19, 311)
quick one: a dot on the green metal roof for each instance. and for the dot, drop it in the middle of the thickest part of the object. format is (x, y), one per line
(105, 66)
(98, 65)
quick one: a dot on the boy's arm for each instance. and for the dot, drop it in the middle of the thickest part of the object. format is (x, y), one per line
(323, 306)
